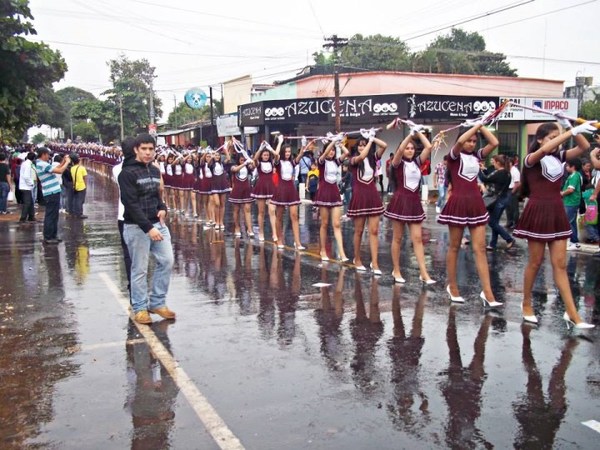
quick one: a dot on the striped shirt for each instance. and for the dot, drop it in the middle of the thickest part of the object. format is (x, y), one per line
(49, 180)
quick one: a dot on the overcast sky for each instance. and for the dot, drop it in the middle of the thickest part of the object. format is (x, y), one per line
(200, 43)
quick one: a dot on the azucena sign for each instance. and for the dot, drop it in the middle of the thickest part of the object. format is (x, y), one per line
(351, 109)
(448, 107)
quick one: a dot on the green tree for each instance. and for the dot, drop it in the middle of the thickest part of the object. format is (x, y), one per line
(183, 114)
(461, 52)
(26, 68)
(370, 52)
(132, 81)
(85, 131)
(39, 138)
(51, 109)
(590, 110)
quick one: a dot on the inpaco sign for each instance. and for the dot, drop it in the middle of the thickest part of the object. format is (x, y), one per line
(566, 105)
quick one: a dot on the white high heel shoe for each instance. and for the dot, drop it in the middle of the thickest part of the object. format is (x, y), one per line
(398, 279)
(360, 268)
(579, 326)
(376, 272)
(454, 299)
(427, 282)
(530, 319)
(487, 303)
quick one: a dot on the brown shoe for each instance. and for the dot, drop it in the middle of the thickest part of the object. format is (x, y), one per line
(163, 312)
(142, 317)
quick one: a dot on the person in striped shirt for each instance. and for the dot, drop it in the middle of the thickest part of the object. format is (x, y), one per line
(51, 189)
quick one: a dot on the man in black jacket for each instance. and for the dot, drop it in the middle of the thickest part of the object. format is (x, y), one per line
(145, 231)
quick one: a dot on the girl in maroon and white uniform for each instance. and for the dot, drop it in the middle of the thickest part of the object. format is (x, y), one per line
(465, 208)
(168, 181)
(205, 188)
(179, 184)
(189, 177)
(405, 205)
(328, 197)
(264, 190)
(219, 187)
(241, 194)
(544, 220)
(286, 194)
(366, 201)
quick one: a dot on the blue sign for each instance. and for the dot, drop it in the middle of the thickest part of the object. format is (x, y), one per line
(195, 98)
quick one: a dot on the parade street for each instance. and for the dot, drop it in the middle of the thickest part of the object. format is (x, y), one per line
(274, 349)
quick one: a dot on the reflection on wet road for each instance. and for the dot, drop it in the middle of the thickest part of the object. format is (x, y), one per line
(353, 362)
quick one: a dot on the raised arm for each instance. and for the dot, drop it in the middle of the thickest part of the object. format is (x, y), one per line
(492, 141)
(426, 146)
(400, 150)
(549, 146)
(277, 151)
(324, 153)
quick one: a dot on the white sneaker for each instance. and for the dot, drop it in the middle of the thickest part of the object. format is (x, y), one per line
(573, 246)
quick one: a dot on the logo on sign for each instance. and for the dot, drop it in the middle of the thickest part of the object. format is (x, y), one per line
(195, 98)
(274, 112)
(385, 107)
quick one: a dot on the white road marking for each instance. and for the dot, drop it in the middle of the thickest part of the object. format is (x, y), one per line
(217, 428)
(593, 424)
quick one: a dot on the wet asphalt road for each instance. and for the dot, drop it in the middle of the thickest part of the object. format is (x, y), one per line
(357, 364)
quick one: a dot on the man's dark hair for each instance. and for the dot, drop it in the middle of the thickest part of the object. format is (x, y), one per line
(2, 157)
(43, 151)
(75, 158)
(127, 148)
(144, 138)
(30, 156)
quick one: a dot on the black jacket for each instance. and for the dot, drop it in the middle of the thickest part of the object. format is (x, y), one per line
(140, 193)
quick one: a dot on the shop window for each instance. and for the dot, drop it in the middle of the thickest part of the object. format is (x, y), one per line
(509, 144)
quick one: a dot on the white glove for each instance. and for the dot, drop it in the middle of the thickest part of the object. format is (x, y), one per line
(470, 123)
(365, 133)
(414, 129)
(338, 145)
(303, 141)
(336, 137)
(562, 120)
(487, 115)
(372, 133)
(280, 139)
(586, 127)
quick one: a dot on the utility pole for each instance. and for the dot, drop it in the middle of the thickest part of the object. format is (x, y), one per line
(121, 115)
(212, 118)
(336, 43)
(152, 114)
(175, 110)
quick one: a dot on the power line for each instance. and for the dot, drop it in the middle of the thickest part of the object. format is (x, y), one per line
(214, 55)
(471, 19)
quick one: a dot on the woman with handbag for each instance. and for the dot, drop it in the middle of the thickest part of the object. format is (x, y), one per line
(496, 199)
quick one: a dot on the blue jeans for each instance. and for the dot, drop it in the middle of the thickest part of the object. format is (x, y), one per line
(572, 216)
(51, 216)
(140, 247)
(4, 190)
(441, 196)
(494, 223)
